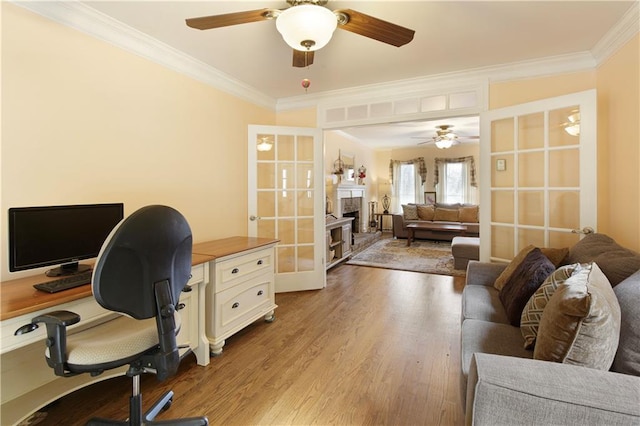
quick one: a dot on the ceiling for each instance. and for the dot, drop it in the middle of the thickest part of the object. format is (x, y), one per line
(450, 36)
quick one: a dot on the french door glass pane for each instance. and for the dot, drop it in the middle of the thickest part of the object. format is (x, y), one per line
(560, 126)
(502, 241)
(502, 135)
(564, 168)
(531, 131)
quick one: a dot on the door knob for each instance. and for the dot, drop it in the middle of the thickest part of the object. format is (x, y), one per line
(253, 217)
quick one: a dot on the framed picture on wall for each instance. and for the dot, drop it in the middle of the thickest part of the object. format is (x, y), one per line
(429, 197)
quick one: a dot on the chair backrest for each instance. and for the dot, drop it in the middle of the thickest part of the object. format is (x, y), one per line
(151, 246)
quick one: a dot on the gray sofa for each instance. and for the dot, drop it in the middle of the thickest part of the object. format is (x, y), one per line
(457, 214)
(501, 383)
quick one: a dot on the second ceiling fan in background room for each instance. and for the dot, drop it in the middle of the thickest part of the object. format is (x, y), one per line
(307, 26)
(445, 138)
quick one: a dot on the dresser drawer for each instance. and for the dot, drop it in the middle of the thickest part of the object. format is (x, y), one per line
(241, 305)
(231, 272)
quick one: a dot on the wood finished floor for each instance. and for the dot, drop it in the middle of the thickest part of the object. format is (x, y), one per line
(376, 347)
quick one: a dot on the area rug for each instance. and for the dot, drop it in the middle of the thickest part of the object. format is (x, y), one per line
(433, 257)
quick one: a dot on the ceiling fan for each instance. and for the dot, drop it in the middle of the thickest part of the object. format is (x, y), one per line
(307, 26)
(445, 138)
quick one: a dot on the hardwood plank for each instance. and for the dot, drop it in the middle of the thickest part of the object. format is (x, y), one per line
(376, 346)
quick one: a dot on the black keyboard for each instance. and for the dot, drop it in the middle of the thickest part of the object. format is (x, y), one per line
(65, 283)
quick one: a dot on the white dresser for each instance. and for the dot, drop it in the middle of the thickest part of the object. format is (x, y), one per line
(242, 286)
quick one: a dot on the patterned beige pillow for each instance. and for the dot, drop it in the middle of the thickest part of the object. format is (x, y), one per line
(532, 312)
(426, 212)
(469, 214)
(410, 211)
(581, 322)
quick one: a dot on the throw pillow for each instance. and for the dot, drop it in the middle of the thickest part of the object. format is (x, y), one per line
(581, 323)
(469, 214)
(410, 211)
(446, 215)
(532, 313)
(616, 262)
(426, 212)
(508, 271)
(627, 358)
(556, 256)
(525, 280)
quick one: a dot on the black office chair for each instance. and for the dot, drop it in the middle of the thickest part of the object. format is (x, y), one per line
(142, 267)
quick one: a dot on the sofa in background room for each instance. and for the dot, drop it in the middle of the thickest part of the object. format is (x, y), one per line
(553, 337)
(458, 214)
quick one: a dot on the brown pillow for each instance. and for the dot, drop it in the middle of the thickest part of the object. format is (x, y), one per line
(556, 255)
(469, 214)
(581, 323)
(532, 313)
(426, 212)
(508, 271)
(410, 211)
(525, 280)
(447, 215)
(615, 261)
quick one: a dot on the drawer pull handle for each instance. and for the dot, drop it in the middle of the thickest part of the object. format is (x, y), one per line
(180, 306)
(235, 305)
(190, 276)
(187, 289)
(235, 271)
(27, 328)
(260, 293)
(260, 262)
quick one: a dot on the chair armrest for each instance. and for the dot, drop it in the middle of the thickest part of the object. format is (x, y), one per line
(399, 230)
(505, 390)
(483, 273)
(57, 323)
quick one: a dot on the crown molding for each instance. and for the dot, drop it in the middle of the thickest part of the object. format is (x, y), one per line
(618, 35)
(569, 63)
(96, 24)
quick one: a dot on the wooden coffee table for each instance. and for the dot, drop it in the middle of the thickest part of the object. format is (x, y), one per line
(440, 227)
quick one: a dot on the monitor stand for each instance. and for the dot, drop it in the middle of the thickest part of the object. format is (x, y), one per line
(68, 269)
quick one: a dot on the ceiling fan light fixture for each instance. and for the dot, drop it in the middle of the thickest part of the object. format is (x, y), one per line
(444, 143)
(264, 145)
(307, 26)
(573, 127)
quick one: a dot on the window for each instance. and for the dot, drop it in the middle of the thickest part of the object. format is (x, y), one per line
(454, 189)
(406, 184)
(455, 180)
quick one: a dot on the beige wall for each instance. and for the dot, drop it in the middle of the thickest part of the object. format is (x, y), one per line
(619, 145)
(86, 122)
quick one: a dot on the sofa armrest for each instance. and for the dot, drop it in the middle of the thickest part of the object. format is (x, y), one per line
(483, 273)
(505, 390)
(399, 230)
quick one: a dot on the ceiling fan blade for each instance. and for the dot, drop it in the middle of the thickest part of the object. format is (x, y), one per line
(375, 28)
(228, 19)
(302, 59)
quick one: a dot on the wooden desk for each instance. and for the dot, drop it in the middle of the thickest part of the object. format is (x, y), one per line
(27, 383)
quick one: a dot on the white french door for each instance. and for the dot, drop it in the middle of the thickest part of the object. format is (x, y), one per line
(286, 201)
(538, 174)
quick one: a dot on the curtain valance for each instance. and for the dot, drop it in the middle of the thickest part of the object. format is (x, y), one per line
(421, 166)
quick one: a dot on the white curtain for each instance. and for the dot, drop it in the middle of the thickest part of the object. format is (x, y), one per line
(399, 186)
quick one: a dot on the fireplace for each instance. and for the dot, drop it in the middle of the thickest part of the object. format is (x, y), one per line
(351, 208)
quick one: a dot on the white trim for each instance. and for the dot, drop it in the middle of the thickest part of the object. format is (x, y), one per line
(94, 23)
(618, 35)
(101, 26)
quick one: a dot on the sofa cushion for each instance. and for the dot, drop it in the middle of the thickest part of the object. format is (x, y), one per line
(410, 211)
(556, 256)
(468, 214)
(426, 212)
(447, 215)
(532, 313)
(525, 280)
(482, 302)
(581, 322)
(627, 358)
(615, 261)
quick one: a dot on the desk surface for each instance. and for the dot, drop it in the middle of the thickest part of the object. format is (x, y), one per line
(18, 297)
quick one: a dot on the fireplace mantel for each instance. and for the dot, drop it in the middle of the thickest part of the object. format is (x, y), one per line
(350, 191)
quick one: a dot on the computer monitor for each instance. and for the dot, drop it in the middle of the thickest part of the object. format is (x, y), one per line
(59, 235)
